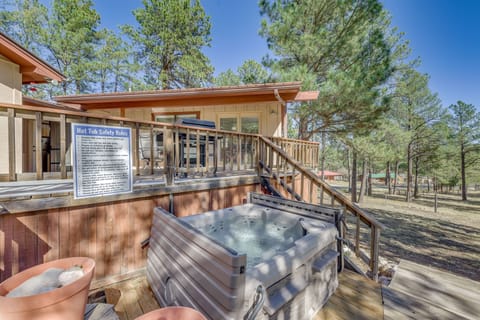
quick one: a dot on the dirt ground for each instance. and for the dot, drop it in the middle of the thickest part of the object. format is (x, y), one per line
(448, 239)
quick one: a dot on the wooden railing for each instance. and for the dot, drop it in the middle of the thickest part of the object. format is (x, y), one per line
(362, 231)
(159, 149)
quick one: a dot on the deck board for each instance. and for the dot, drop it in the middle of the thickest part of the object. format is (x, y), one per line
(355, 298)
(418, 290)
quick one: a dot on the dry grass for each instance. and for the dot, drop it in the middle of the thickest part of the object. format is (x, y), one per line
(448, 239)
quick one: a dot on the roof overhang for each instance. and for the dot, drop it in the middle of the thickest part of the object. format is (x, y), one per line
(32, 68)
(29, 101)
(253, 93)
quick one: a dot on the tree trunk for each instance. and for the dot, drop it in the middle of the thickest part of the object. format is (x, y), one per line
(415, 188)
(396, 176)
(408, 197)
(388, 181)
(464, 182)
(348, 170)
(363, 185)
(354, 177)
(369, 184)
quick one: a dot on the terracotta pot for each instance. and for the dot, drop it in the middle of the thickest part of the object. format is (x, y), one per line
(67, 302)
(173, 313)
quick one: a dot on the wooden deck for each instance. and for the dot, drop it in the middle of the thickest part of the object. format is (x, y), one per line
(420, 292)
(355, 298)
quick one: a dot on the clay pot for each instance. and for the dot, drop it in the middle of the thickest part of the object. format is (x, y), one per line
(173, 313)
(67, 302)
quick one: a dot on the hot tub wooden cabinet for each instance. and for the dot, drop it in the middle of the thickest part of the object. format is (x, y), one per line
(268, 259)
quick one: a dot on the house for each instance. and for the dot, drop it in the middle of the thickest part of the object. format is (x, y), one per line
(18, 66)
(331, 175)
(254, 108)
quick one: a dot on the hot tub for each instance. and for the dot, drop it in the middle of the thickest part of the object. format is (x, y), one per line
(268, 259)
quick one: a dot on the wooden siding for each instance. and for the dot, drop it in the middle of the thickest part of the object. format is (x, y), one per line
(110, 233)
(269, 114)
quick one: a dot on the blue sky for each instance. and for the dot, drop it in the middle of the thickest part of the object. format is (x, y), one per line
(445, 34)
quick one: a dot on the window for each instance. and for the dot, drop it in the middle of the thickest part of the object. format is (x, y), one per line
(241, 123)
(173, 117)
(250, 125)
(229, 124)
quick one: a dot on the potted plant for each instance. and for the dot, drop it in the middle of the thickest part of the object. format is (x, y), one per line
(65, 302)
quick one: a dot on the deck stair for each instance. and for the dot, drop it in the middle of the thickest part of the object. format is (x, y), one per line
(420, 292)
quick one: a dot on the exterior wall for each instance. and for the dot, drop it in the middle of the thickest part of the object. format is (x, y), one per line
(269, 114)
(10, 92)
(110, 233)
(10, 82)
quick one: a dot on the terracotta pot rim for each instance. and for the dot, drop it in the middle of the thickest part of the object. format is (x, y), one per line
(153, 313)
(44, 299)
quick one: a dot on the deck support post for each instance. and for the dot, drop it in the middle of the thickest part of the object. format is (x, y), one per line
(169, 156)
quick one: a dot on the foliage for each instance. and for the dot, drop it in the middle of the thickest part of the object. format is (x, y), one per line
(342, 45)
(70, 38)
(249, 72)
(65, 35)
(23, 20)
(465, 127)
(227, 78)
(114, 68)
(169, 39)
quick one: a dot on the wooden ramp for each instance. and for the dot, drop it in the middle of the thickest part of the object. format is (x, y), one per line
(420, 292)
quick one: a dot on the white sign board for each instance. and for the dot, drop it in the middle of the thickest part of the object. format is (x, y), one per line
(102, 160)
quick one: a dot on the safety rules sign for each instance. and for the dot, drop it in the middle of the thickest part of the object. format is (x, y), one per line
(102, 160)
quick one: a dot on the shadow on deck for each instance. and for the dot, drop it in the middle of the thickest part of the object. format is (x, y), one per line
(356, 298)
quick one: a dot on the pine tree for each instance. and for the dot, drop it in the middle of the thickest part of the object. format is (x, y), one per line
(114, 66)
(249, 72)
(70, 38)
(465, 126)
(169, 38)
(343, 46)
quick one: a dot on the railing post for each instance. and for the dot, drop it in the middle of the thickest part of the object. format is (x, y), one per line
(12, 176)
(38, 145)
(259, 155)
(375, 236)
(137, 148)
(197, 151)
(152, 151)
(215, 155)
(63, 146)
(169, 155)
(357, 235)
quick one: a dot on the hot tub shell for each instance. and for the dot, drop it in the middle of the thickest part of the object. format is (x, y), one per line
(187, 267)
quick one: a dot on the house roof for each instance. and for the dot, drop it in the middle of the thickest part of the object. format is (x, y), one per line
(32, 68)
(327, 173)
(269, 92)
(29, 101)
(382, 175)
